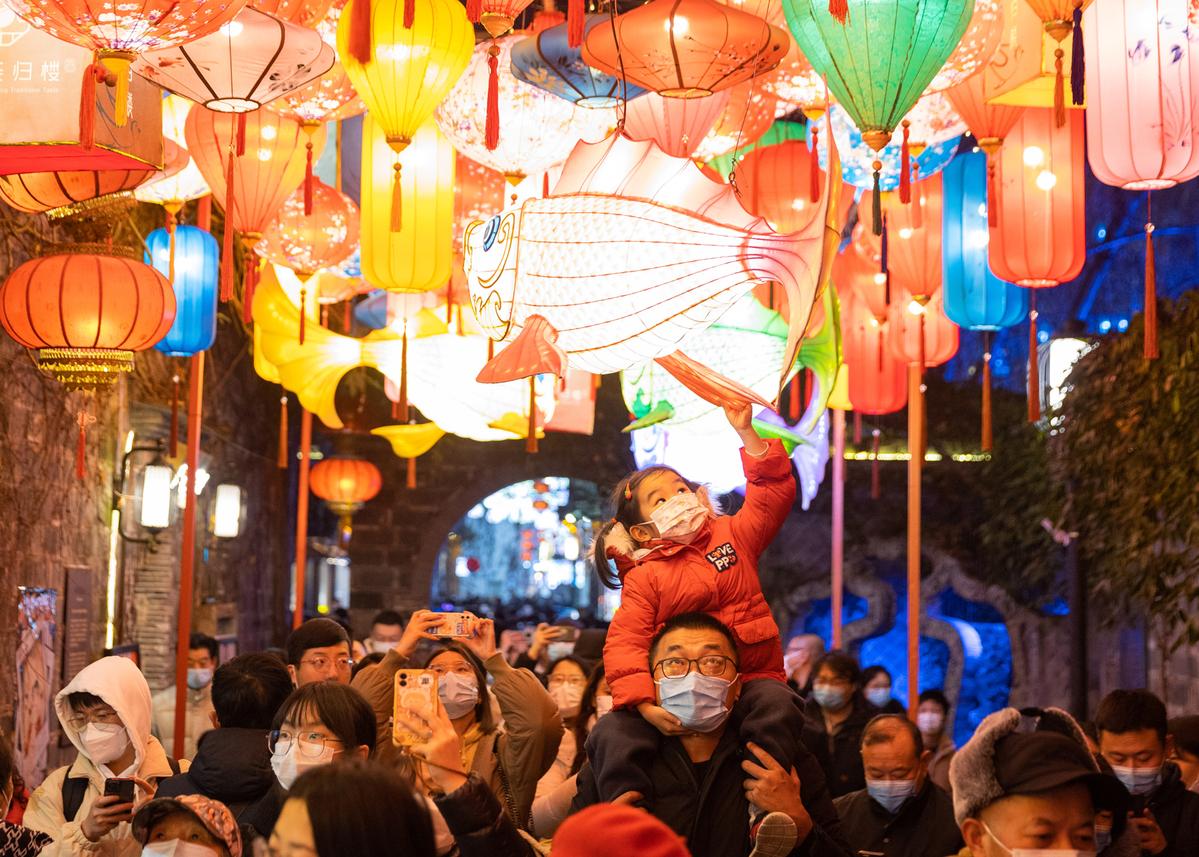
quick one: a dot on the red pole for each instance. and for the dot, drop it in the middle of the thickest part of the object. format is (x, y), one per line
(195, 416)
(302, 514)
(838, 522)
(915, 463)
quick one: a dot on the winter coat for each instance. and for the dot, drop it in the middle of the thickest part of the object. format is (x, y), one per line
(480, 826)
(121, 685)
(839, 754)
(234, 767)
(923, 827)
(199, 707)
(938, 765)
(1177, 813)
(717, 573)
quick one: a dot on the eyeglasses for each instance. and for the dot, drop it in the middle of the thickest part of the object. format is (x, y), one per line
(709, 665)
(79, 722)
(309, 744)
(558, 680)
(321, 664)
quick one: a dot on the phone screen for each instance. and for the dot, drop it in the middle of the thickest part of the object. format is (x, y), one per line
(122, 788)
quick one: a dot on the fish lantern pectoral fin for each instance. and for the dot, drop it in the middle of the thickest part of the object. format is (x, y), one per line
(535, 351)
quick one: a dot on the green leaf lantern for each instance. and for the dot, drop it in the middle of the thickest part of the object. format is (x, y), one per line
(879, 60)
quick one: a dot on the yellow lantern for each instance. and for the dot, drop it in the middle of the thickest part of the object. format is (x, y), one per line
(419, 255)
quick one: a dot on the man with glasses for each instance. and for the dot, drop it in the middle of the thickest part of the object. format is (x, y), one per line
(319, 650)
(705, 780)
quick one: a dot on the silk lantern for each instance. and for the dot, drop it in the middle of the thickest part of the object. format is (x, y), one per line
(860, 161)
(920, 334)
(877, 378)
(190, 260)
(1062, 18)
(976, 47)
(306, 13)
(64, 193)
(330, 98)
(706, 47)
(496, 16)
(346, 485)
(546, 60)
(677, 125)
(988, 121)
(914, 233)
(782, 182)
(909, 42)
(748, 115)
(1143, 119)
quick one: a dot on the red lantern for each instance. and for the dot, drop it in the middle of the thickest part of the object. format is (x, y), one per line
(877, 379)
(311, 243)
(306, 13)
(66, 190)
(496, 16)
(685, 48)
(920, 333)
(345, 484)
(868, 274)
(914, 239)
(677, 125)
(86, 312)
(777, 181)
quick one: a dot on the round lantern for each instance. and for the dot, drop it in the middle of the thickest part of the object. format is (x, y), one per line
(313, 242)
(345, 484)
(877, 378)
(330, 98)
(64, 193)
(306, 13)
(914, 239)
(988, 122)
(677, 125)
(546, 60)
(86, 311)
(748, 115)
(192, 266)
(780, 183)
(858, 159)
(496, 16)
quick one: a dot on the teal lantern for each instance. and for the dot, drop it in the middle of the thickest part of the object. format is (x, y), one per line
(191, 261)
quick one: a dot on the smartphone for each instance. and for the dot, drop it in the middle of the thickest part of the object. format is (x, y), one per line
(415, 692)
(121, 787)
(452, 625)
(567, 634)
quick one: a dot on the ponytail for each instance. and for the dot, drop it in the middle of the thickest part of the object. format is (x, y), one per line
(599, 557)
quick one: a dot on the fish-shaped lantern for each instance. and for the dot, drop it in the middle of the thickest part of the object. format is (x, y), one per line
(634, 251)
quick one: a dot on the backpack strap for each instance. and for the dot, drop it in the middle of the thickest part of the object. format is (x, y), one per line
(73, 791)
(174, 763)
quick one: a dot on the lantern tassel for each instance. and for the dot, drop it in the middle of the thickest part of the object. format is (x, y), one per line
(474, 10)
(411, 481)
(1059, 90)
(308, 182)
(360, 31)
(409, 13)
(173, 443)
(839, 9)
(992, 193)
(905, 166)
(241, 134)
(204, 213)
(397, 199)
(227, 243)
(1151, 350)
(93, 74)
(404, 370)
(876, 200)
(282, 462)
(81, 446)
(347, 316)
(248, 287)
(986, 415)
(575, 19)
(814, 167)
(545, 185)
(1034, 381)
(492, 138)
(1077, 61)
(303, 313)
(876, 482)
(531, 439)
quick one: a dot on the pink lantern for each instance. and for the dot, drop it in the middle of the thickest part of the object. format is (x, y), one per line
(749, 115)
(677, 125)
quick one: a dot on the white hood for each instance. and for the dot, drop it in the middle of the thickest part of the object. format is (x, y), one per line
(121, 684)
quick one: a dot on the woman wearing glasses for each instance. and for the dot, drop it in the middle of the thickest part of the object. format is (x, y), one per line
(319, 724)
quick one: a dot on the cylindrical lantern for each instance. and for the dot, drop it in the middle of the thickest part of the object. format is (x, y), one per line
(195, 265)
(677, 125)
(918, 327)
(547, 61)
(877, 378)
(86, 312)
(914, 238)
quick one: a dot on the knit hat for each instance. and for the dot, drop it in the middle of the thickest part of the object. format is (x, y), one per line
(214, 815)
(608, 828)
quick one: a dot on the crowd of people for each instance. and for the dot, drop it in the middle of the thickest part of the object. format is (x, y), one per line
(685, 728)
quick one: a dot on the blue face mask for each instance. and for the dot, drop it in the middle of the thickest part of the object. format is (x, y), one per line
(891, 794)
(198, 679)
(829, 698)
(878, 696)
(1103, 837)
(1139, 781)
(698, 700)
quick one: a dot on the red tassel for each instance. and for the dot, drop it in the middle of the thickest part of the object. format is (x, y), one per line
(545, 184)
(204, 213)
(793, 397)
(411, 482)
(303, 314)
(839, 9)
(531, 440)
(308, 182)
(93, 74)
(986, 416)
(282, 462)
(227, 244)
(492, 138)
(992, 193)
(174, 439)
(876, 482)
(1151, 350)
(1034, 380)
(1078, 66)
(248, 287)
(1059, 90)
(241, 134)
(813, 167)
(409, 13)
(905, 166)
(397, 199)
(576, 19)
(404, 370)
(347, 317)
(360, 31)
(474, 10)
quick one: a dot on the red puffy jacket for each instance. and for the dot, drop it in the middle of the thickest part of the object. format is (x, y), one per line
(717, 574)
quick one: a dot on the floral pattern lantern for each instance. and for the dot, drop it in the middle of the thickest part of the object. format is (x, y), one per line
(346, 485)
(190, 260)
(978, 44)
(306, 13)
(330, 98)
(546, 60)
(858, 159)
(677, 125)
(707, 47)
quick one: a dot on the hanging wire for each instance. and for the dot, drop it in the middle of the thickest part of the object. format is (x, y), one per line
(623, 106)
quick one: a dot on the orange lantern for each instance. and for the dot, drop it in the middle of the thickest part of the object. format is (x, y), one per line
(707, 47)
(677, 125)
(867, 271)
(920, 334)
(914, 240)
(345, 484)
(749, 115)
(64, 193)
(877, 378)
(330, 98)
(306, 13)
(496, 16)
(988, 121)
(781, 182)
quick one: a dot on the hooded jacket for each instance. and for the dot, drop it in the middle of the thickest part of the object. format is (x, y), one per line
(121, 685)
(717, 573)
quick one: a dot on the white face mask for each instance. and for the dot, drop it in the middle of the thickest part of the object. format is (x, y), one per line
(567, 697)
(603, 704)
(929, 722)
(104, 742)
(1037, 852)
(177, 848)
(679, 518)
(383, 646)
(291, 764)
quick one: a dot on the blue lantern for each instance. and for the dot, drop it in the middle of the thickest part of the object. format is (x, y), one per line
(548, 62)
(196, 284)
(975, 298)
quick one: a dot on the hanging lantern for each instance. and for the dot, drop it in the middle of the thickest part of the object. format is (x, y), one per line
(860, 271)
(310, 243)
(478, 192)
(776, 182)
(677, 125)
(86, 309)
(410, 442)
(306, 13)
(174, 190)
(536, 129)
(748, 115)
(877, 378)
(914, 238)
(797, 86)
(345, 484)
(918, 327)
(1061, 18)
(189, 259)
(61, 194)
(976, 48)
(858, 159)
(547, 17)
(781, 131)
(989, 122)
(546, 60)
(496, 16)
(330, 98)
(708, 47)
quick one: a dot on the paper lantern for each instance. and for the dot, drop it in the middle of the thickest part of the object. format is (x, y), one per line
(420, 255)
(174, 190)
(989, 122)
(918, 328)
(748, 115)
(778, 182)
(306, 13)
(64, 193)
(195, 279)
(546, 60)
(606, 307)
(86, 312)
(247, 63)
(345, 484)
(410, 441)
(496, 16)
(877, 378)
(914, 233)
(976, 47)
(707, 47)
(308, 243)
(781, 131)
(478, 192)
(859, 271)
(536, 129)
(858, 158)
(330, 98)
(677, 125)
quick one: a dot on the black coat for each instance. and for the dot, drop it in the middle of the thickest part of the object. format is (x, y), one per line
(1176, 811)
(923, 827)
(234, 767)
(479, 824)
(840, 756)
(710, 810)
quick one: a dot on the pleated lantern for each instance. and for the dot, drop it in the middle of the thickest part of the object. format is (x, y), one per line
(748, 115)
(914, 239)
(306, 13)
(908, 43)
(976, 47)
(190, 260)
(64, 193)
(1040, 238)
(877, 378)
(975, 299)
(1142, 116)
(251, 188)
(677, 125)
(920, 333)
(346, 485)
(546, 60)
(988, 121)
(685, 48)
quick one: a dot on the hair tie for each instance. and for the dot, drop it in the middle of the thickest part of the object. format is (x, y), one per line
(628, 490)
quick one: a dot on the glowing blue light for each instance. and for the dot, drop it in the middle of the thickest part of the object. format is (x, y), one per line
(1101, 232)
(197, 262)
(1043, 336)
(1122, 325)
(1105, 326)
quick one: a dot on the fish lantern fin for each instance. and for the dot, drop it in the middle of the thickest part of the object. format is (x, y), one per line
(790, 437)
(535, 351)
(660, 413)
(821, 352)
(708, 384)
(516, 425)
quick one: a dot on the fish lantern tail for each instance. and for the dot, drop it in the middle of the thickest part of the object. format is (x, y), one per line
(1078, 65)
(839, 9)
(492, 136)
(360, 31)
(575, 19)
(535, 351)
(1151, 350)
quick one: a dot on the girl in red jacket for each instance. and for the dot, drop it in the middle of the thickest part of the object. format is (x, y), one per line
(674, 554)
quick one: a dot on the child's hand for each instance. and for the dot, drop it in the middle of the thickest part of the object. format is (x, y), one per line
(663, 720)
(740, 416)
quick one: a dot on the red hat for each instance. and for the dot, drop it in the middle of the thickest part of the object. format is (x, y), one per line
(608, 828)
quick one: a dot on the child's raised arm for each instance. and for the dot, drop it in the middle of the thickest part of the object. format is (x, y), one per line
(741, 418)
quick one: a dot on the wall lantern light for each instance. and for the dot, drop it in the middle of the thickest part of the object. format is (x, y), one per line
(226, 515)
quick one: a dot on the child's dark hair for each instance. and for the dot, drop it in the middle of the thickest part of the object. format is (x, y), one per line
(623, 503)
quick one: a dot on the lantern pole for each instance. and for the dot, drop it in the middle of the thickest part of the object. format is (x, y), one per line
(302, 515)
(838, 521)
(195, 415)
(915, 464)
